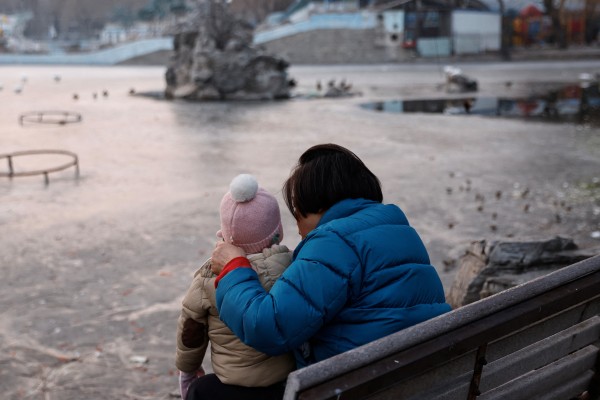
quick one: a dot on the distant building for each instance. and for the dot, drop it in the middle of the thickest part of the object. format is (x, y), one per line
(13, 25)
(383, 30)
(441, 28)
(113, 34)
(12, 38)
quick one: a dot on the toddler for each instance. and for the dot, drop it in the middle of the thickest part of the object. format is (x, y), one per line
(250, 219)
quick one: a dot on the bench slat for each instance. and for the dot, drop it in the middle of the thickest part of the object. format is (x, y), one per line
(569, 390)
(449, 380)
(540, 354)
(536, 332)
(542, 381)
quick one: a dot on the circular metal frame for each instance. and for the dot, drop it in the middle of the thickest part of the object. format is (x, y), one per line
(50, 117)
(74, 162)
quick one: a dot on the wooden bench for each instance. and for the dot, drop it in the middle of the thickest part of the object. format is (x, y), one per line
(538, 340)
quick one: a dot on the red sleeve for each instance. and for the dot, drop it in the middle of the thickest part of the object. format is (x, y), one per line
(238, 262)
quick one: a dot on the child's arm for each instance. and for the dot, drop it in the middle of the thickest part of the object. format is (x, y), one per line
(192, 328)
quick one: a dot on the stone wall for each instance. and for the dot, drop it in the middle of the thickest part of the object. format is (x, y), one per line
(336, 46)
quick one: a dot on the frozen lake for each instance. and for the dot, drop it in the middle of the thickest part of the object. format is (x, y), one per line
(93, 268)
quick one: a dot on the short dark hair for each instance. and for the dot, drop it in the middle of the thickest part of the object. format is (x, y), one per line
(325, 175)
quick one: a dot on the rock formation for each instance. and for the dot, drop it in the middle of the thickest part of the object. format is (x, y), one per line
(214, 59)
(488, 268)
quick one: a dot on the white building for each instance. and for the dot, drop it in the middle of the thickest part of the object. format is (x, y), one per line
(13, 25)
(115, 33)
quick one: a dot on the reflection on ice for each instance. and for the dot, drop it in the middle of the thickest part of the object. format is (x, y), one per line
(571, 103)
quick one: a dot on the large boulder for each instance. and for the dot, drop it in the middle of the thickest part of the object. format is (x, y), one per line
(214, 59)
(486, 268)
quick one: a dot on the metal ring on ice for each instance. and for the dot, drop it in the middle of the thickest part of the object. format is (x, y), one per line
(73, 162)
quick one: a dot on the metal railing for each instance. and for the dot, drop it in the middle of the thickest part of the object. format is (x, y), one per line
(12, 173)
(50, 117)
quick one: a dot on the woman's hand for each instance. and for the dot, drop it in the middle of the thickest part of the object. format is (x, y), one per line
(222, 254)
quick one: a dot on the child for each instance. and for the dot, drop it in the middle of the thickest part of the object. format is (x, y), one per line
(250, 219)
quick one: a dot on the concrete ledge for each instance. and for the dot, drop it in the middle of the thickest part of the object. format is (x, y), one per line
(110, 56)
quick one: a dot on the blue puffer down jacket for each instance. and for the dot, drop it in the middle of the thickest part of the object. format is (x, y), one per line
(361, 274)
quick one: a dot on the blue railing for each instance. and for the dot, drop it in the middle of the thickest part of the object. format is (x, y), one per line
(319, 21)
(110, 56)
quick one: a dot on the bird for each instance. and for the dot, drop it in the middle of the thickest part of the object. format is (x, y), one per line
(57, 78)
(19, 89)
(132, 91)
(344, 86)
(467, 106)
(105, 93)
(526, 208)
(319, 87)
(94, 95)
(75, 96)
(498, 194)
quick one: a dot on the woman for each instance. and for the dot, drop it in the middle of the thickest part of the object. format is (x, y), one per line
(360, 272)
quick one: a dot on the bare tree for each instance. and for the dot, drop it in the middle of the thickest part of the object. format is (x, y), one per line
(505, 33)
(89, 14)
(592, 20)
(554, 9)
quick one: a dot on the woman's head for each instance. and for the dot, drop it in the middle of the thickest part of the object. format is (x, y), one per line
(325, 175)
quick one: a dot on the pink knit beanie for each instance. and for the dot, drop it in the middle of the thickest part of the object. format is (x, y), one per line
(250, 216)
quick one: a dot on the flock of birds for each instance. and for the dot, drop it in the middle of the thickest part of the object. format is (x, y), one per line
(19, 86)
(523, 194)
(24, 79)
(334, 89)
(94, 95)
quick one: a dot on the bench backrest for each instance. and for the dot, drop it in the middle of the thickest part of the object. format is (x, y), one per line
(539, 339)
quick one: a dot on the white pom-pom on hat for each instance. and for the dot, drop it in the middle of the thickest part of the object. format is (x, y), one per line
(243, 188)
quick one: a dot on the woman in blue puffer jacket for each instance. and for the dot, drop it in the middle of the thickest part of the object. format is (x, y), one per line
(361, 272)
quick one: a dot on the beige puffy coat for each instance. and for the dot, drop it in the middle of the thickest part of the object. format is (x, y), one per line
(233, 362)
